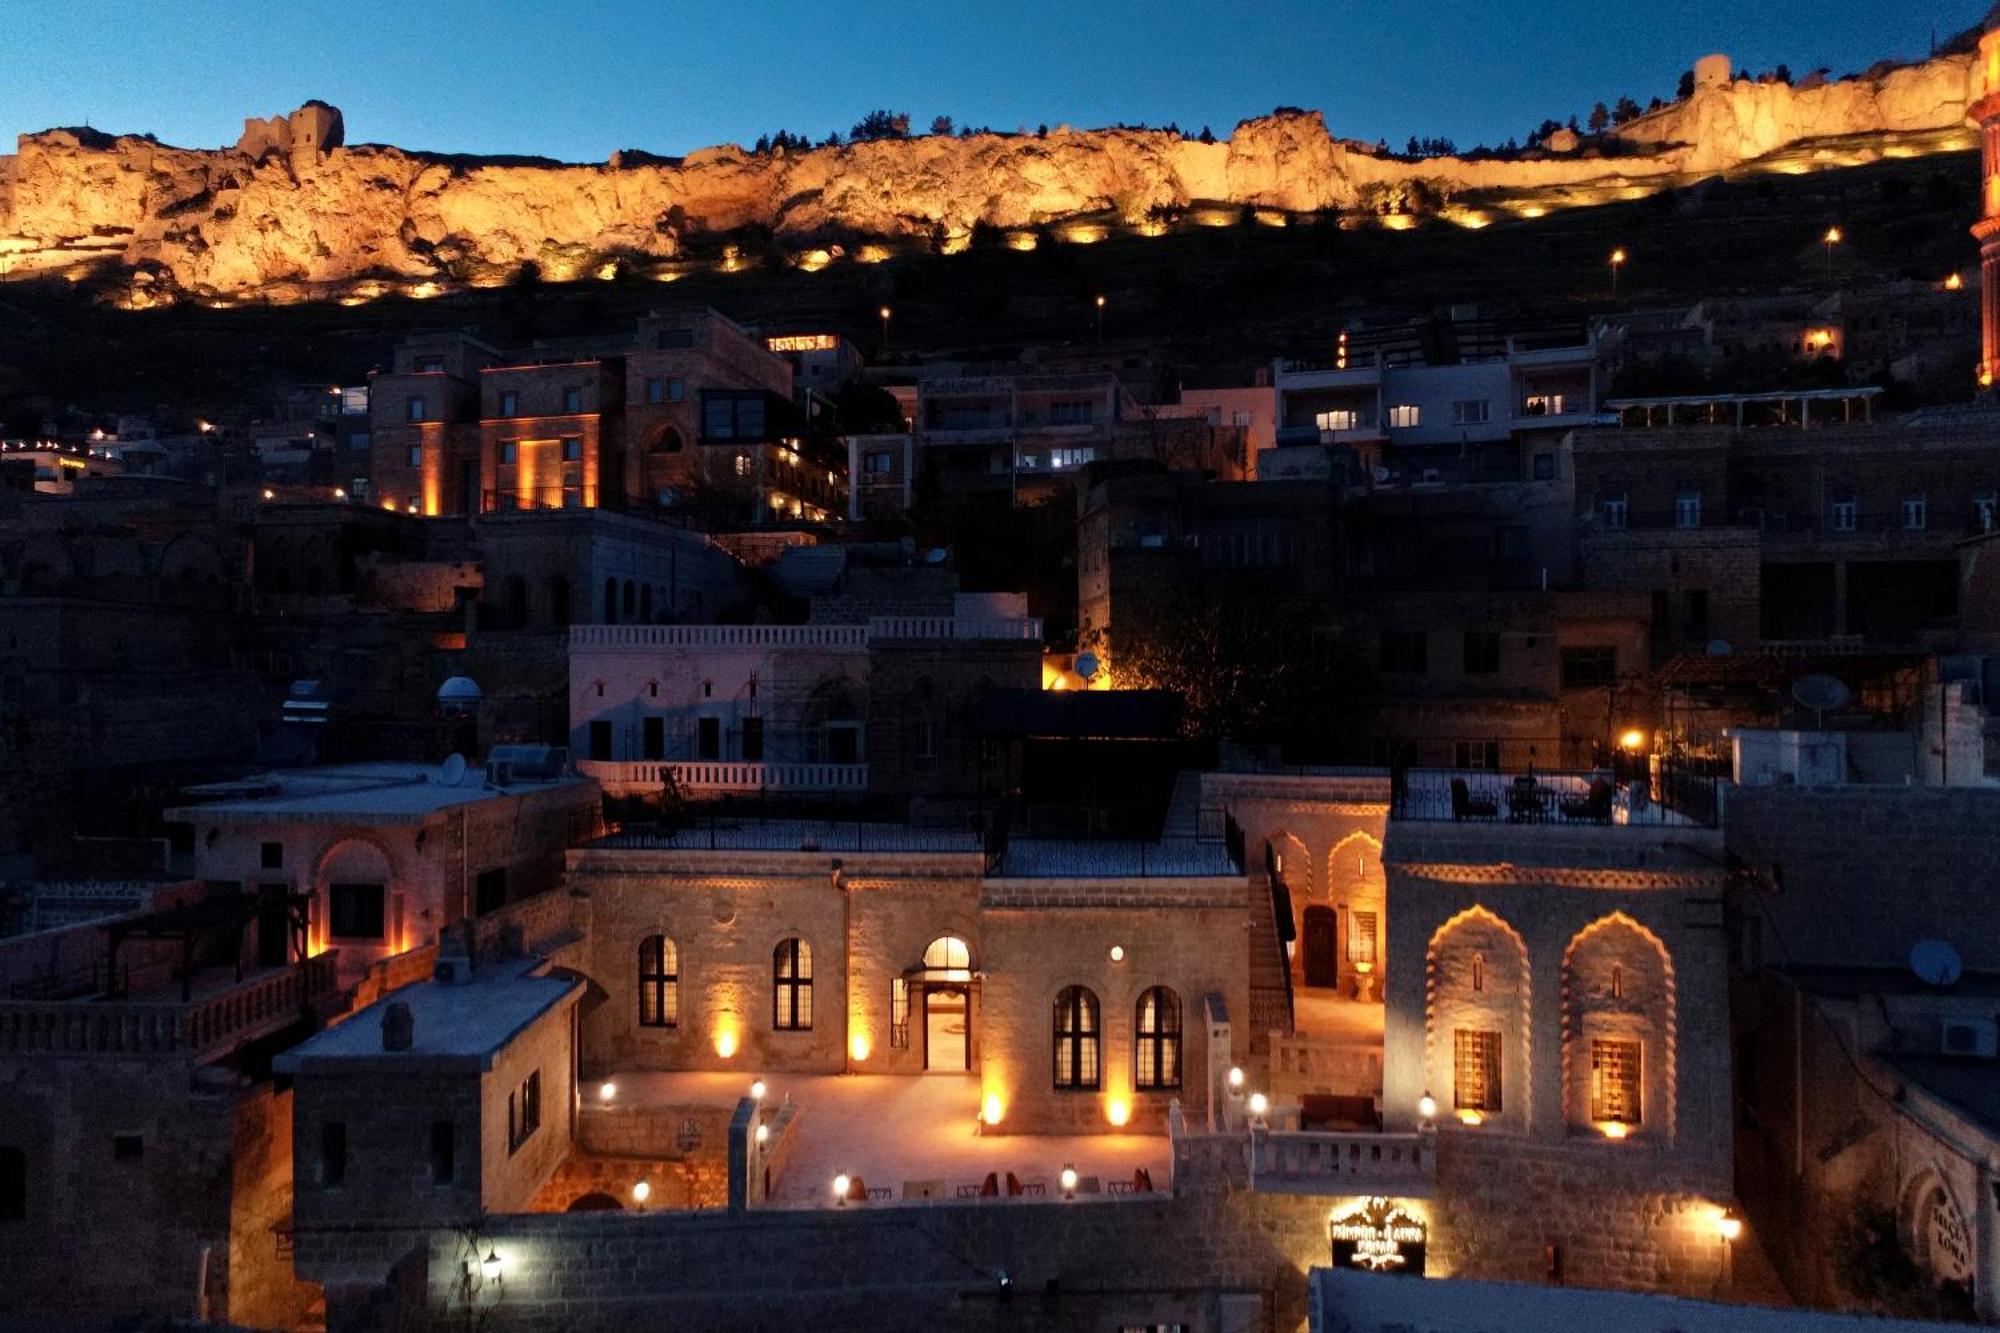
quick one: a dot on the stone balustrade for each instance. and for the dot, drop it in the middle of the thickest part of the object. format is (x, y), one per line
(703, 776)
(1306, 1162)
(195, 1030)
(1026, 628)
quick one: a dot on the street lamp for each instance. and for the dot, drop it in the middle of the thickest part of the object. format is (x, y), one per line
(1617, 262)
(1100, 318)
(885, 312)
(1831, 239)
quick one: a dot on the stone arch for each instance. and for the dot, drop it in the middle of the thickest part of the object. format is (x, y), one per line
(1618, 986)
(664, 440)
(1356, 849)
(1501, 1004)
(190, 555)
(357, 858)
(1297, 867)
(834, 706)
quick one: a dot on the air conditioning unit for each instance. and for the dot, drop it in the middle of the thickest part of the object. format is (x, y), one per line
(1971, 1036)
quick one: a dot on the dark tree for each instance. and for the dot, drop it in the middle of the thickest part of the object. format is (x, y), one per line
(1599, 118)
(1783, 74)
(881, 125)
(1626, 110)
(1686, 88)
(1207, 135)
(941, 125)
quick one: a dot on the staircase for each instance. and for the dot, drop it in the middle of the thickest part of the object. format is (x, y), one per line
(1183, 807)
(1270, 970)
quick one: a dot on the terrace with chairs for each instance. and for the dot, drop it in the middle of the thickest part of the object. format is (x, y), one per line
(1668, 797)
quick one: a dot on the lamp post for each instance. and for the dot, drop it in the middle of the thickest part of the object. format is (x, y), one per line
(1831, 239)
(885, 312)
(1618, 257)
(1100, 317)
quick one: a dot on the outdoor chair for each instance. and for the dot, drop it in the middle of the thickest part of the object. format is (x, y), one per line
(1594, 806)
(1464, 805)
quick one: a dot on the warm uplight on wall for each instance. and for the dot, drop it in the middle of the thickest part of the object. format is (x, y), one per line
(606, 1090)
(1614, 1129)
(725, 1042)
(990, 1109)
(858, 1047)
(1021, 240)
(1728, 1225)
(1118, 1111)
(1471, 1119)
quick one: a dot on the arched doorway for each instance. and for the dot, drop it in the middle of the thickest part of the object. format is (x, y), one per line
(1322, 965)
(947, 1002)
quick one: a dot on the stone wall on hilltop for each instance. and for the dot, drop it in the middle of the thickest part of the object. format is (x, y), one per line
(227, 223)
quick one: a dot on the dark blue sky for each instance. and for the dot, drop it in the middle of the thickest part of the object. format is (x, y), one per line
(576, 80)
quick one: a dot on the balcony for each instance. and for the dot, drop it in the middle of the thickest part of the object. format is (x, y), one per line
(1024, 628)
(1670, 797)
(196, 1030)
(703, 777)
(1309, 1162)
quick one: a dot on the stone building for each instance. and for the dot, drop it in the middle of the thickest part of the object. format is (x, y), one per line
(385, 857)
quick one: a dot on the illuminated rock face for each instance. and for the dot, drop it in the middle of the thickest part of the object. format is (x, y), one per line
(286, 224)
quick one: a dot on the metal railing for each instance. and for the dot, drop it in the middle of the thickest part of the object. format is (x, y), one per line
(731, 833)
(693, 777)
(1671, 795)
(1024, 628)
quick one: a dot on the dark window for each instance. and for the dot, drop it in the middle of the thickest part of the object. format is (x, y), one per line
(510, 451)
(1589, 668)
(656, 390)
(676, 390)
(332, 1153)
(659, 983)
(1482, 652)
(572, 399)
(653, 738)
(415, 409)
(611, 601)
(416, 455)
(13, 1184)
(1476, 754)
(1156, 1063)
(753, 740)
(732, 416)
(127, 1147)
(1077, 1067)
(272, 855)
(791, 986)
(430, 365)
(444, 1152)
(600, 740)
(356, 911)
(708, 738)
(524, 1112)
(510, 403)
(572, 447)
(1405, 651)
(490, 890)
(1545, 467)
(1695, 603)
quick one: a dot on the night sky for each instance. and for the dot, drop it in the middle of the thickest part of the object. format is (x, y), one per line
(578, 79)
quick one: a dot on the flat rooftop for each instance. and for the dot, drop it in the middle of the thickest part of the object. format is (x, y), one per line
(1971, 1085)
(382, 792)
(463, 1024)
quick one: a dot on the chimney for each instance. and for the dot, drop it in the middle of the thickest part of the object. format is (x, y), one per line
(399, 1027)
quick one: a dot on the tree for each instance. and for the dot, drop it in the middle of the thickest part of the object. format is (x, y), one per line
(1599, 118)
(1783, 74)
(1685, 89)
(861, 408)
(1414, 149)
(1573, 126)
(941, 125)
(1207, 135)
(1627, 109)
(1042, 131)
(880, 125)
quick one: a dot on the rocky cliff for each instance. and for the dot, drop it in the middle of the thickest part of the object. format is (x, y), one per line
(362, 220)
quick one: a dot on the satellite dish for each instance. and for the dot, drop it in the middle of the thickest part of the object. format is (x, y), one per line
(1086, 665)
(453, 771)
(1381, 473)
(937, 555)
(1935, 962)
(1822, 694)
(1719, 648)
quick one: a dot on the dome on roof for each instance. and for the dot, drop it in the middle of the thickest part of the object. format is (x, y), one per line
(460, 690)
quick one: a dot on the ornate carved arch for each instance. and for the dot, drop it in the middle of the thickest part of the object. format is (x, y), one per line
(1664, 1010)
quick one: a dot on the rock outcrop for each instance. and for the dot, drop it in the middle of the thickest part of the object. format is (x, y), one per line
(290, 213)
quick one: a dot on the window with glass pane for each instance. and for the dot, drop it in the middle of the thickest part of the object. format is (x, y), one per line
(1614, 509)
(899, 1013)
(1361, 928)
(659, 983)
(1475, 1084)
(791, 991)
(1614, 1081)
(1156, 1059)
(1076, 1037)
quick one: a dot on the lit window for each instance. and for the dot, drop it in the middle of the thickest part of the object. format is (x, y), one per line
(1361, 935)
(1470, 412)
(742, 465)
(1544, 405)
(1475, 1070)
(659, 982)
(1156, 1058)
(948, 953)
(1076, 1037)
(791, 986)
(1404, 416)
(1614, 1081)
(1916, 513)
(899, 1014)
(1239, 419)
(1060, 458)
(1339, 418)
(1985, 512)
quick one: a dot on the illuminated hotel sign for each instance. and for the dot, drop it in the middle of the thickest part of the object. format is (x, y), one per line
(1381, 1237)
(804, 342)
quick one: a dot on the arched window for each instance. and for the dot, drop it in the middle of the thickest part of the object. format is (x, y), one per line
(1156, 1057)
(948, 952)
(659, 983)
(611, 601)
(629, 603)
(1076, 1038)
(792, 986)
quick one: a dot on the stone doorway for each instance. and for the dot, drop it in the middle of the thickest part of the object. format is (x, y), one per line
(1322, 967)
(947, 1029)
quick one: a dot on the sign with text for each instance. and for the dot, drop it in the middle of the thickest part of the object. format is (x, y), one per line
(1380, 1237)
